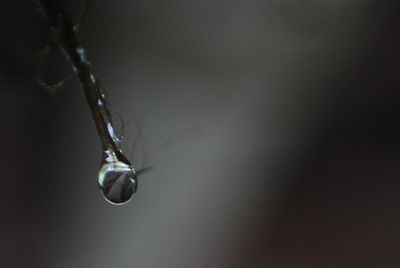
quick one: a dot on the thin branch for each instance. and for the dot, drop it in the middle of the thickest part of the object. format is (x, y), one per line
(67, 38)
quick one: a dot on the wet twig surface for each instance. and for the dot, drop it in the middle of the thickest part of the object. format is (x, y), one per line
(66, 35)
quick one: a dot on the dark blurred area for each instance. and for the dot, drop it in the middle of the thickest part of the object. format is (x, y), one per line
(272, 128)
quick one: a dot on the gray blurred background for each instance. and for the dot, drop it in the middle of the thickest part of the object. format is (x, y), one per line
(272, 128)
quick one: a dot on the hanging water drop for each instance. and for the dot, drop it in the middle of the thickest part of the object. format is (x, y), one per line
(117, 182)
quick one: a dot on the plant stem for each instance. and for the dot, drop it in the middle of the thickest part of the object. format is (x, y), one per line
(66, 35)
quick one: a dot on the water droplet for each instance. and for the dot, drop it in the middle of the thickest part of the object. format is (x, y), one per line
(82, 55)
(93, 78)
(112, 133)
(117, 182)
(100, 103)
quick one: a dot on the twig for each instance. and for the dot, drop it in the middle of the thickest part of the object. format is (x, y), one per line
(66, 35)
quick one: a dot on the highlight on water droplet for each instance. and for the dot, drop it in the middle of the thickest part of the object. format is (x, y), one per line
(117, 182)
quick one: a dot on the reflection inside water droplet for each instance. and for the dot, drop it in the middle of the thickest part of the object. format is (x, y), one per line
(117, 182)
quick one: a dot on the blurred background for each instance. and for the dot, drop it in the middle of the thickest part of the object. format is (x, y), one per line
(272, 128)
